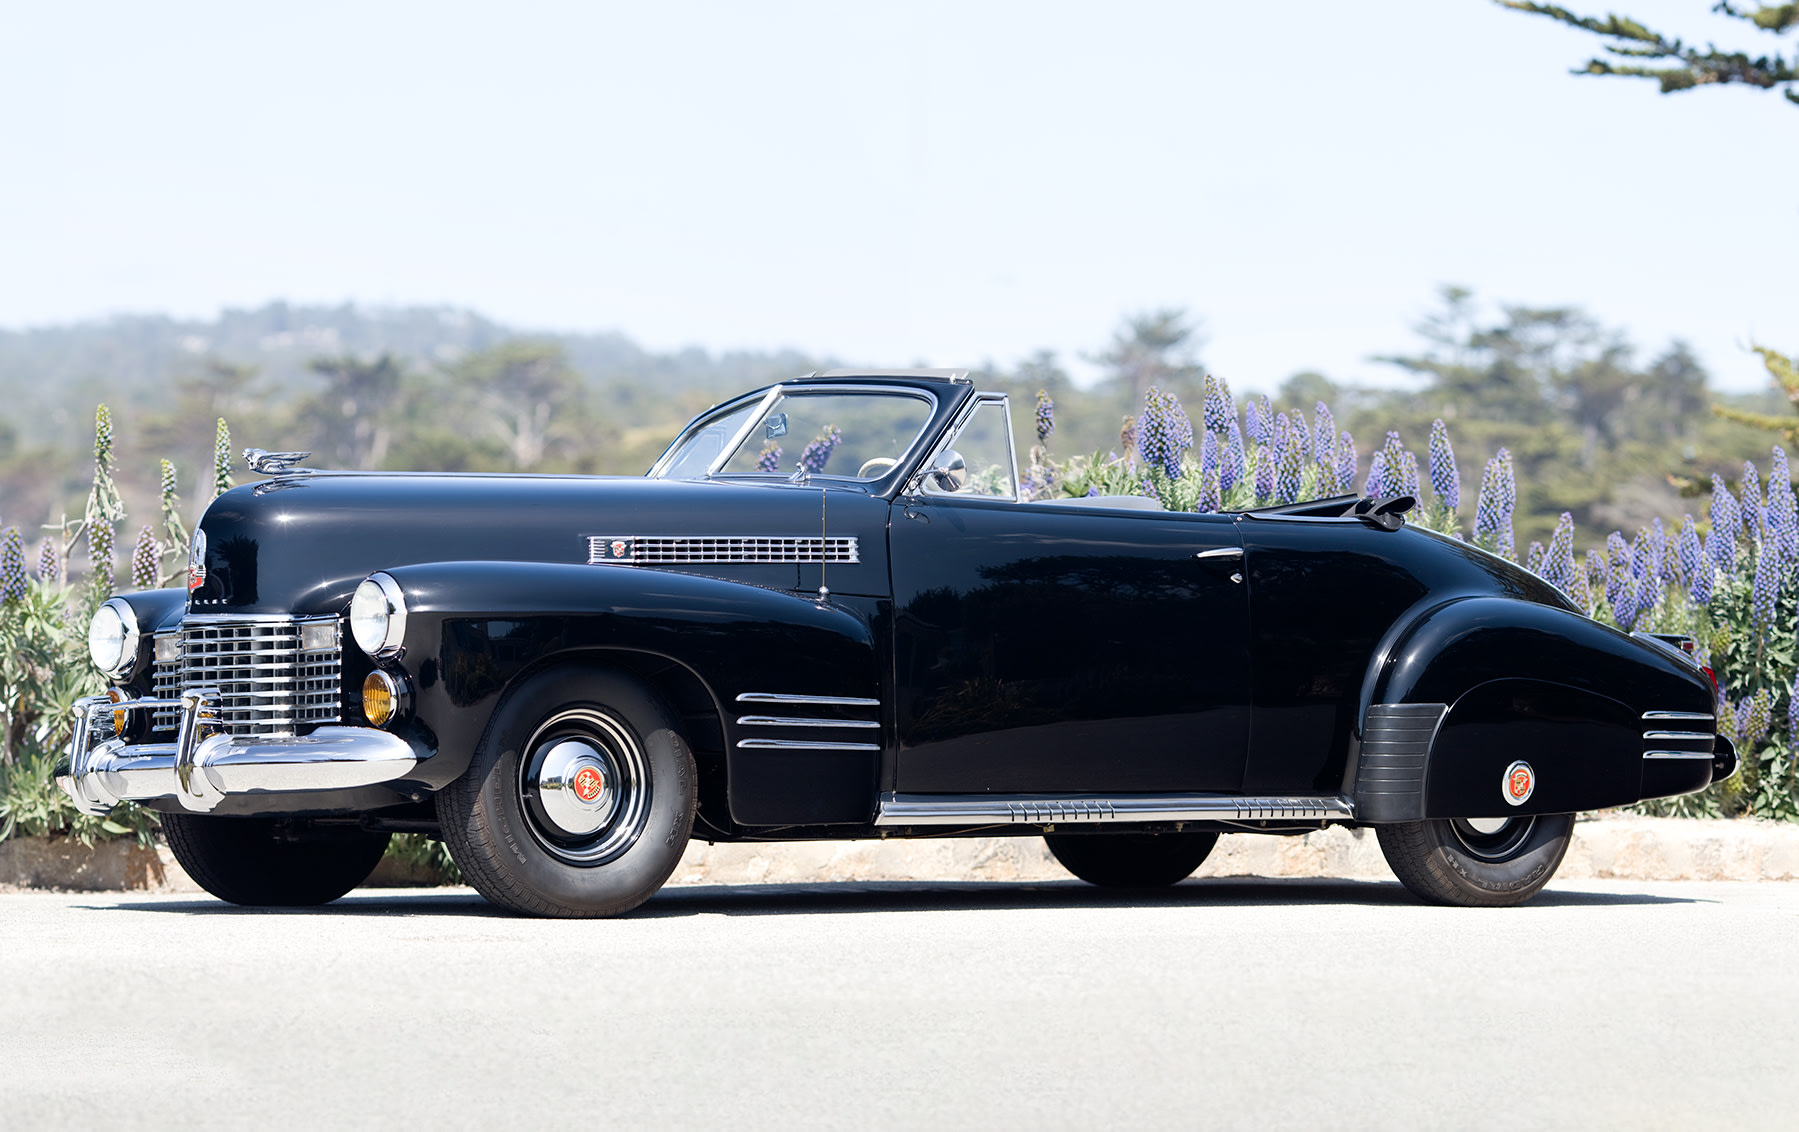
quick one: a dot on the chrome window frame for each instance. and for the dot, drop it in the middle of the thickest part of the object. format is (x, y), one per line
(795, 389)
(916, 482)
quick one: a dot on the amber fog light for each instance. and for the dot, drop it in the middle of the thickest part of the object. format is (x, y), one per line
(384, 698)
(120, 718)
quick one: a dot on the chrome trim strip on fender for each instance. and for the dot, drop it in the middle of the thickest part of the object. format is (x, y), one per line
(1029, 809)
(1671, 716)
(786, 698)
(1705, 735)
(785, 721)
(1706, 755)
(802, 745)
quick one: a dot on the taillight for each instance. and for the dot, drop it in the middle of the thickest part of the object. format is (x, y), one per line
(1712, 676)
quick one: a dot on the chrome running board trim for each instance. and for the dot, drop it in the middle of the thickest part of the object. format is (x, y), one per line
(1670, 716)
(786, 698)
(1035, 809)
(1706, 755)
(1678, 735)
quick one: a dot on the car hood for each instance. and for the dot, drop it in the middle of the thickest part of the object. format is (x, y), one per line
(300, 544)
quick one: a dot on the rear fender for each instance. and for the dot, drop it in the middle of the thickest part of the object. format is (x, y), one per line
(1471, 687)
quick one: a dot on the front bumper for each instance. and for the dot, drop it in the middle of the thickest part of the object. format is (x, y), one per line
(199, 770)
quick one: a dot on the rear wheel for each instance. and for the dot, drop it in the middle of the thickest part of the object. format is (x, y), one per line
(1477, 862)
(1130, 860)
(272, 861)
(579, 801)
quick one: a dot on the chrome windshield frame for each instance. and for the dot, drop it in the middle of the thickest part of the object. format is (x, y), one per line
(774, 394)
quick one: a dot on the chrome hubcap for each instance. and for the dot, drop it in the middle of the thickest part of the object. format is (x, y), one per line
(584, 784)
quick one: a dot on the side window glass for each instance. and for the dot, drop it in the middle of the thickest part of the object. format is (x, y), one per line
(986, 447)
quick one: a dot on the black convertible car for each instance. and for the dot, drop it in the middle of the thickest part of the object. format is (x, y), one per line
(871, 635)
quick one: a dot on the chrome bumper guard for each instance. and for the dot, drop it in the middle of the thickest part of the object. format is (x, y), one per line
(199, 769)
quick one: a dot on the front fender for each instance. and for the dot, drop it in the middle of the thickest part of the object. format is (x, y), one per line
(1469, 687)
(475, 629)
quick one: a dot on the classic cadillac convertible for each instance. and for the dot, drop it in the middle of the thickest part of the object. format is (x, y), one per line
(566, 678)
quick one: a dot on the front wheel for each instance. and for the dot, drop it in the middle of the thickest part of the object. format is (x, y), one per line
(1477, 862)
(579, 801)
(1130, 860)
(272, 862)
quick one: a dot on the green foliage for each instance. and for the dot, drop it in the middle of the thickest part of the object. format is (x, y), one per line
(1684, 67)
(427, 853)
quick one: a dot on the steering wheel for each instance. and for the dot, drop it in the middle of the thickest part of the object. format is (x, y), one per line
(876, 464)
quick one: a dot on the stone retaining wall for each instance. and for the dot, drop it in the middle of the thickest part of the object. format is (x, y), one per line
(1616, 848)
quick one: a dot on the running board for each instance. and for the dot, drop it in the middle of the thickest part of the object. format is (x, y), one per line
(1037, 809)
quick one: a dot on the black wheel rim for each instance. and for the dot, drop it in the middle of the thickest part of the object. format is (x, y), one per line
(1489, 842)
(584, 786)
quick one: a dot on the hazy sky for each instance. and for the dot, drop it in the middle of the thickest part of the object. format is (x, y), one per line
(893, 183)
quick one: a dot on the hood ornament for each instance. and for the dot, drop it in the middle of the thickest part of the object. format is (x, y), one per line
(274, 463)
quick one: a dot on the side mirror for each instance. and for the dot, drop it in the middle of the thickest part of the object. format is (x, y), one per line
(949, 471)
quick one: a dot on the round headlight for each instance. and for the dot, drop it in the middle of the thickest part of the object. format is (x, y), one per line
(112, 639)
(378, 616)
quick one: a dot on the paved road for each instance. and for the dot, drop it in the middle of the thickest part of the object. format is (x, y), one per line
(1218, 1003)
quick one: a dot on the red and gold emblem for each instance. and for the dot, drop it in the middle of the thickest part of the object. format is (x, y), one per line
(1520, 783)
(619, 546)
(588, 785)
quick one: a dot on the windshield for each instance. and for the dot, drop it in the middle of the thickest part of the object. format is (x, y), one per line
(852, 434)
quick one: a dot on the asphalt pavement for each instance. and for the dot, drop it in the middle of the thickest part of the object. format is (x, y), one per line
(1218, 1003)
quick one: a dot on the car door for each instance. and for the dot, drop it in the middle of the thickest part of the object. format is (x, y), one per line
(1042, 648)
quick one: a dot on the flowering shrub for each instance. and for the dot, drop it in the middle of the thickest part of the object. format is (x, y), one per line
(1731, 582)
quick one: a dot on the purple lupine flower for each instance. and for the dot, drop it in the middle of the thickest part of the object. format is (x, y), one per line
(1687, 550)
(1761, 711)
(1754, 519)
(1558, 567)
(1290, 472)
(1661, 553)
(144, 558)
(12, 565)
(1235, 463)
(1445, 480)
(1740, 720)
(1765, 589)
(1392, 465)
(1578, 590)
(1127, 437)
(1346, 462)
(1533, 557)
(1093, 491)
(815, 455)
(1046, 416)
(1725, 526)
(1704, 579)
(1217, 412)
(99, 553)
(1148, 487)
(1493, 510)
(1783, 512)
(1408, 473)
(769, 459)
(1283, 428)
(1593, 574)
(1211, 498)
(1253, 427)
(1165, 432)
(1377, 475)
(46, 561)
(1645, 569)
(1264, 474)
(1620, 581)
(1324, 442)
(1302, 435)
(1208, 456)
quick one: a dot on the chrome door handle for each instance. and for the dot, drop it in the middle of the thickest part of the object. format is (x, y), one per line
(1221, 552)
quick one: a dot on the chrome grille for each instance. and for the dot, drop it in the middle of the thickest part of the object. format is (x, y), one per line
(268, 684)
(165, 684)
(700, 550)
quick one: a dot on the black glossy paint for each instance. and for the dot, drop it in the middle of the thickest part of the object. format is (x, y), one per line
(1013, 647)
(1053, 649)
